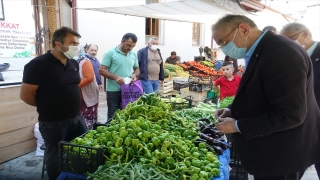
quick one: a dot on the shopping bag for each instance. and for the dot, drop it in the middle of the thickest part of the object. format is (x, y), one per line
(130, 92)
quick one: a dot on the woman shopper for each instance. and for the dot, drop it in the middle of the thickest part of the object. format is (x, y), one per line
(89, 92)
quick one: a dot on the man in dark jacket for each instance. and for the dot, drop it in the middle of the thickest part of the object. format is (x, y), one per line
(151, 66)
(274, 117)
(302, 35)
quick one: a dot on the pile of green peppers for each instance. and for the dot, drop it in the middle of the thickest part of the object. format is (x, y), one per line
(147, 132)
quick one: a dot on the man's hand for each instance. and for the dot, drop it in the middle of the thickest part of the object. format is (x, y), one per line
(133, 78)
(161, 82)
(226, 125)
(100, 88)
(119, 80)
(222, 113)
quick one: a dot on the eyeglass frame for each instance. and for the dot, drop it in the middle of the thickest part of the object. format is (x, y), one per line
(225, 42)
(295, 35)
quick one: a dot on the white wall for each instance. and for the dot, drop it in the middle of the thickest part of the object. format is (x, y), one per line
(106, 30)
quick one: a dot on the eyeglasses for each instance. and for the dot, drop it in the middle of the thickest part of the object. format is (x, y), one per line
(221, 45)
(295, 35)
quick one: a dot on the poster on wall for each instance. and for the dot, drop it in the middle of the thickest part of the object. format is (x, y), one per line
(1, 10)
(17, 40)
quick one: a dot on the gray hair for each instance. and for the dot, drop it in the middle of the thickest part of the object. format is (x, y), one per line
(234, 20)
(295, 27)
(153, 38)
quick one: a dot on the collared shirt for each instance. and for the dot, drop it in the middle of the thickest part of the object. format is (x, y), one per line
(247, 58)
(119, 64)
(96, 65)
(312, 48)
(248, 55)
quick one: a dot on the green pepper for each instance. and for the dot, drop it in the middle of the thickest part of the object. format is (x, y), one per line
(147, 153)
(101, 129)
(196, 162)
(202, 145)
(109, 143)
(116, 127)
(188, 163)
(203, 174)
(194, 177)
(169, 160)
(144, 126)
(113, 156)
(211, 158)
(187, 154)
(155, 141)
(119, 151)
(157, 153)
(123, 124)
(143, 160)
(112, 150)
(123, 133)
(150, 145)
(127, 141)
(166, 143)
(215, 172)
(140, 135)
(195, 154)
(118, 142)
(135, 142)
(131, 124)
(107, 134)
(196, 170)
(146, 134)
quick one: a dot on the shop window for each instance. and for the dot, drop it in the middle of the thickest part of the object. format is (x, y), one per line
(196, 28)
(152, 25)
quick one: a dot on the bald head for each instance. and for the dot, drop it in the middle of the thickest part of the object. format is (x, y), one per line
(299, 33)
(92, 50)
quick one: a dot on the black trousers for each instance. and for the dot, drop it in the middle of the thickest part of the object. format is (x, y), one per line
(114, 103)
(293, 176)
(52, 133)
(317, 166)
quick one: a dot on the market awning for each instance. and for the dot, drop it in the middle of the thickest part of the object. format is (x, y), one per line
(184, 11)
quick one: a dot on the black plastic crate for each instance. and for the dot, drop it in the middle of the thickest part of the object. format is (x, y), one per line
(80, 159)
(177, 85)
(199, 87)
(200, 80)
(237, 172)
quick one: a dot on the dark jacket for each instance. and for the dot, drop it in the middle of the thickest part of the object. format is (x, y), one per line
(143, 64)
(315, 58)
(276, 110)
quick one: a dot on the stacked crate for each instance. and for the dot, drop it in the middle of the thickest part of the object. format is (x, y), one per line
(166, 88)
(196, 96)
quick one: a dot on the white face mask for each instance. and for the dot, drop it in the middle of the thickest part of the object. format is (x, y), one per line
(72, 52)
(153, 47)
(302, 45)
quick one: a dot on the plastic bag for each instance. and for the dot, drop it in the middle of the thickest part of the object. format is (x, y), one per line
(130, 92)
(40, 140)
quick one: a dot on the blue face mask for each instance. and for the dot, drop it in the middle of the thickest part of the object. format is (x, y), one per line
(233, 51)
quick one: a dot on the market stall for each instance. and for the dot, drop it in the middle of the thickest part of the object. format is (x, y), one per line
(147, 139)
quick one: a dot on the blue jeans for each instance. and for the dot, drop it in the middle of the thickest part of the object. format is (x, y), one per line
(150, 86)
(114, 103)
(53, 133)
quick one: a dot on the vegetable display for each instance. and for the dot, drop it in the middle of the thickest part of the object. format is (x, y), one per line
(226, 102)
(177, 103)
(146, 140)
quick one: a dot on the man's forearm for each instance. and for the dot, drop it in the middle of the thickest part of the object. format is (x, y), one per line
(30, 100)
(136, 72)
(107, 74)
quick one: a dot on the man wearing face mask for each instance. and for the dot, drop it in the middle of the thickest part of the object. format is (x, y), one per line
(50, 82)
(91, 55)
(119, 63)
(274, 118)
(301, 35)
(151, 66)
